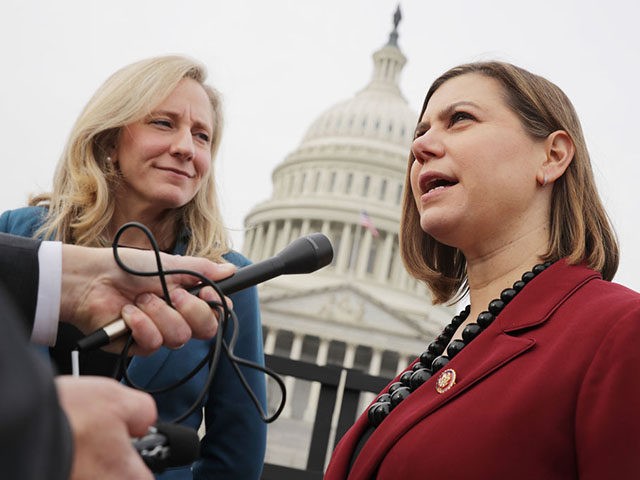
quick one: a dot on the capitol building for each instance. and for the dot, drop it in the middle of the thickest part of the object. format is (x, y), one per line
(345, 179)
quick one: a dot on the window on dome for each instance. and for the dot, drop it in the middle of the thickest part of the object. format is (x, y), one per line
(383, 189)
(349, 183)
(399, 194)
(332, 181)
(289, 185)
(365, 185)
(302, 180)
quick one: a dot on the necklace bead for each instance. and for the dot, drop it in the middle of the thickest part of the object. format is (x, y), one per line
(485, 319)
(454, 348)
(496, 306)
(434, 359)
(419, 377)
(507, 295)
(471, 331)
(438, 363)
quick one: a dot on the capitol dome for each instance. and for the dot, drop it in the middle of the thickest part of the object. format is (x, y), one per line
(346, 180)
(378, 113)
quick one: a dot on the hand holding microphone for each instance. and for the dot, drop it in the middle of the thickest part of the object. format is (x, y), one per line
(96, 291)
(304, 255)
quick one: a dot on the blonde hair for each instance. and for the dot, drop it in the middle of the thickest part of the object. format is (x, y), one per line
(580, 230)
(81, 205)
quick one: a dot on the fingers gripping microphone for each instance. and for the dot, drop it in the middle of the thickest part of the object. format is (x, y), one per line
(303, 255)
(168, 445)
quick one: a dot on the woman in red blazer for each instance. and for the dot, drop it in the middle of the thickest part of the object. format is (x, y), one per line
(538, 377)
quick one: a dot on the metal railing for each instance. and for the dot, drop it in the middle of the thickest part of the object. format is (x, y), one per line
(340, 388)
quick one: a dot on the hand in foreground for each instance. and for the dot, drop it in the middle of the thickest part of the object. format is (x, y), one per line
(104, 415)
(95, 292)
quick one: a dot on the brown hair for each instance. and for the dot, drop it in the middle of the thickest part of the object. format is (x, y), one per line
(81, 204)
(580, 230)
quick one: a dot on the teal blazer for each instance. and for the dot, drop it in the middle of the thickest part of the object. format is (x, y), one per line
(235, 440)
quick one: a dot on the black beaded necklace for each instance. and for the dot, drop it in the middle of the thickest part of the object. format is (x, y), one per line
(433, 358)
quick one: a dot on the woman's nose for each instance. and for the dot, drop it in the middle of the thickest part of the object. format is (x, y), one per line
(427, 146)
(182, 145)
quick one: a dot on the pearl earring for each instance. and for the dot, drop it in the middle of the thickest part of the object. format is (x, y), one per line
(109, 159)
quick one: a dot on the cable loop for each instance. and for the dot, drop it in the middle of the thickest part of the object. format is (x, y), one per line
(218, 346)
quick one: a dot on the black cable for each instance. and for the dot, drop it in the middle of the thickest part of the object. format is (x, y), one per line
(213, 355)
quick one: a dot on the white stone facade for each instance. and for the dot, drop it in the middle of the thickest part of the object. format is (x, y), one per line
(363, 310)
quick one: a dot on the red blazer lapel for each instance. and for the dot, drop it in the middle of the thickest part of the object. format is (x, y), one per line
(493, 347)
(497, 346)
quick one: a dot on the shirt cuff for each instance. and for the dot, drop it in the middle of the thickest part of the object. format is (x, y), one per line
(45, 324)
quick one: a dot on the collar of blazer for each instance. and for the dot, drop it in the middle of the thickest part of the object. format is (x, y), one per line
(494, 348)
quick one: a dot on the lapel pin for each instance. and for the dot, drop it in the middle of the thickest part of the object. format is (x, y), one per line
(446, 380)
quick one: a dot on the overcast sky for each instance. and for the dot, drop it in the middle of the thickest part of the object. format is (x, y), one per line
(280, 63)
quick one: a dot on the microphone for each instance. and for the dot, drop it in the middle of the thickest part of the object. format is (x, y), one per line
(168, 445)
(303, 255)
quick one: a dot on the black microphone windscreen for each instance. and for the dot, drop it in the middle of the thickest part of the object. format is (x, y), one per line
(307, 254)
(182, 441)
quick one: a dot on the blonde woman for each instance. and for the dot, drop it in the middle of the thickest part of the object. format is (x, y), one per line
(142, 150)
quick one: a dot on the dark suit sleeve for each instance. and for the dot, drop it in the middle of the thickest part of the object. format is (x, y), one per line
(35, 438)
(19, 273)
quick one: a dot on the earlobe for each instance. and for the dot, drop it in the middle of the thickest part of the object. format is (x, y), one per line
(559, 152)
(542, 179)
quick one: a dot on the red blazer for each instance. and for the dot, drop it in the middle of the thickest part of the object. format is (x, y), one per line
(551, 390)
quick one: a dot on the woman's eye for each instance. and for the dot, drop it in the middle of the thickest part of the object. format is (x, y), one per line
(203, 136)
(161, 122)
(459, 116)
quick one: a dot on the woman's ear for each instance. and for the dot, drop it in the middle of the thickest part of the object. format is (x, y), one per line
(559, 150)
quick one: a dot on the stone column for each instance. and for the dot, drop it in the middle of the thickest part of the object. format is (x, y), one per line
(326, 228)
(289, 382)
(256, 248)
(374, 369)
(248, 244)
(269, 240)
(349, 355)
(376, 362)
(314, 393)
(345, 249)
(270, 341)
(385, 258)
(363, 252)
(304, 229)
(283, 237)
